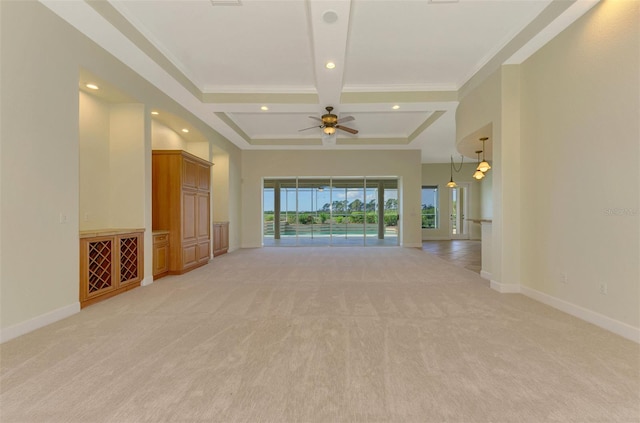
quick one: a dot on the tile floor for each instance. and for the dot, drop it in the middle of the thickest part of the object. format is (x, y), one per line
(463, 253)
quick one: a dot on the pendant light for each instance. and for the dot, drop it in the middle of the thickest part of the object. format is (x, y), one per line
(451, 183)
(484, 165)
(478, 174)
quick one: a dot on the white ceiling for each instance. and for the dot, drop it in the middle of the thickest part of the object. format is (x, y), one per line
(228, 60)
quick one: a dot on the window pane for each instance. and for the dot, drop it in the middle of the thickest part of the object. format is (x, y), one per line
(430, 207)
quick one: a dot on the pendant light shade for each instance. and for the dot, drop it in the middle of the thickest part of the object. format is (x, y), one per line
(484, 166)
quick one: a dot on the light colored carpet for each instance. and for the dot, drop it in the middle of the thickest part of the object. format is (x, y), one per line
(320, 335)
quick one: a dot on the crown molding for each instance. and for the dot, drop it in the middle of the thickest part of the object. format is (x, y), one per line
(399, 88)
(258, 89)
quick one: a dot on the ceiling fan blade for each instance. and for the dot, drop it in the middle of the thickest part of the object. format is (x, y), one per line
(316, 118)
(346, 119)
(311, 127)
(344, 128)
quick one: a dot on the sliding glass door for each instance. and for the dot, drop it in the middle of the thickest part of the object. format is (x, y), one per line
(314, 212)
(330, 211)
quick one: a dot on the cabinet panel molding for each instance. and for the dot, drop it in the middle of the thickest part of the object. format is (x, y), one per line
(190, 214)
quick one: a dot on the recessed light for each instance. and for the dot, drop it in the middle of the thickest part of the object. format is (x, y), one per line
(185, 130)
(155, 113)
(92, 86)
(330, 65)
(396, 107)
(265, 108)
(330, 16)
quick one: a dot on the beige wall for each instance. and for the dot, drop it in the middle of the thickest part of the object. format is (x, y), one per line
(165, 138)
(94, 157)
(486, 196)
(439, 175)
(565, 180)
(39, 133)
(257, 165)
(580, 163)
(234, 201)
(112, 181)
(220, 188)
(200, 149)
(40, 164)
(127, 170)
(507, 206)
(479, 108)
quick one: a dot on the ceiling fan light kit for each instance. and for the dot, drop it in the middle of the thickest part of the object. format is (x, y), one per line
(329, 130)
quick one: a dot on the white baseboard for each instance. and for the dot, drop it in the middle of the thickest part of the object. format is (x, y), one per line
(612, 325)
(146, 281)
(38, 322)
(485, 275)
(505, 288)
(412, 245)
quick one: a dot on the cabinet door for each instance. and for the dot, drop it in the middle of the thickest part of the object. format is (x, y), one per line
(97, 267)
(204, 251)
(189, 216)
(190, 172)
(189, 255)
(203, 216)
(130, 259)
(204, 177)
(217, 240)
(224, 236)
(160, 259)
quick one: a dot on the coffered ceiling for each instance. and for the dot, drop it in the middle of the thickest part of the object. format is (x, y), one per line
(227, 60)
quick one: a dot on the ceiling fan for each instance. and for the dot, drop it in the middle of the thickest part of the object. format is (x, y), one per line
(330, 123)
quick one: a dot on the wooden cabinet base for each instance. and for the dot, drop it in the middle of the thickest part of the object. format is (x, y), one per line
(111, 262)
(187, 269)
(110, 294)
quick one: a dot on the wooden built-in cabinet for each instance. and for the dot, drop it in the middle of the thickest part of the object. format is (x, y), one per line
(111, 262)
(181, 198)
(220, 238)
(160, 254)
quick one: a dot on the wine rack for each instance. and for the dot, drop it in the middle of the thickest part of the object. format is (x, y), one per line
(111, 262)
(128, 259)
(100, 266)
